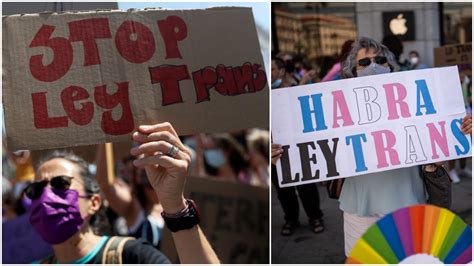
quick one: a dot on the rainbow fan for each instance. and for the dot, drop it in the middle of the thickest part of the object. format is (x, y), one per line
(413, 231)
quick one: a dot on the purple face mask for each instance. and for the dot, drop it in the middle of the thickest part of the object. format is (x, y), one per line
(26, 202)
(56, 215)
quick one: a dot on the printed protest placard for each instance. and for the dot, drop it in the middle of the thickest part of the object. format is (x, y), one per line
(234, 218)
(370, 124)
(81, 78)
(455, 54)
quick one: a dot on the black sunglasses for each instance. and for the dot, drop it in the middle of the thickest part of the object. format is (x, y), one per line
(378, 59)
(35, 189)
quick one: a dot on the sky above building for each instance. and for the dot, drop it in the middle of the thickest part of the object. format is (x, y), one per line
(261, 11)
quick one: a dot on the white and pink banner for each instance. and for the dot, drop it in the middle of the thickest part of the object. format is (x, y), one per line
(370, 124)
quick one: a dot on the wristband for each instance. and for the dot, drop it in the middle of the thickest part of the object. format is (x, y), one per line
(184, 219)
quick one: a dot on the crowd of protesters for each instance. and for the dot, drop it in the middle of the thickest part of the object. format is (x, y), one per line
(130, 206)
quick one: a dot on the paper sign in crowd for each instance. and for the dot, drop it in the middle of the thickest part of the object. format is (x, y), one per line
(79, 78)
(454, 54)
(370, 124)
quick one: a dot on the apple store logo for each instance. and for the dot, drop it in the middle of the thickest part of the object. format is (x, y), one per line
(401, 23)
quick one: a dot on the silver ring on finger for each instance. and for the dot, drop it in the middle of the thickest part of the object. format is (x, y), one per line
(173, 151)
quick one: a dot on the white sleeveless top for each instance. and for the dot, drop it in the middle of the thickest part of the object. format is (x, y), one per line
(383, 192)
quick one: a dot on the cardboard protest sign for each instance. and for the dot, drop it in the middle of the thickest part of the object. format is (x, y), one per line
(370, 124)
(81, 78)
(456, 54)
(234, 218)
(21, 243)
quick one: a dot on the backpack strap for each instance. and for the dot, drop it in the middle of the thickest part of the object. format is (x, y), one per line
(113, 250)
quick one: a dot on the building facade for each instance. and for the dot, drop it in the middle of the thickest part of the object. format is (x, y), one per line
(312, 35)
(320, 28)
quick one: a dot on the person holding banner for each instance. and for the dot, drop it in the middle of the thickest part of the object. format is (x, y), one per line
(366, 198)
(66, 199)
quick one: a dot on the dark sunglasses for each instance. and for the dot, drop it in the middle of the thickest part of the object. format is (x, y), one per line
(35, 189)
(378, 59)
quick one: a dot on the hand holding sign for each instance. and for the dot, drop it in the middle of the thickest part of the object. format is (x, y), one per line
(277, 151)
(466, 125)
(166, 170)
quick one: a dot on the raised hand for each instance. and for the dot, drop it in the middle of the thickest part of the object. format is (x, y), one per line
(166, 161)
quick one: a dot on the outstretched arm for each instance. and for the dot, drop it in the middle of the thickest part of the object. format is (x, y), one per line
(118, 194)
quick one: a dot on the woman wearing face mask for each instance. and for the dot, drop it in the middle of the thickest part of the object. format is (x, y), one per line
(227, 159)
(65, 199)
(366, 198)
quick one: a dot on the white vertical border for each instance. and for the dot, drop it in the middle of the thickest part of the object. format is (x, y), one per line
(269, 82)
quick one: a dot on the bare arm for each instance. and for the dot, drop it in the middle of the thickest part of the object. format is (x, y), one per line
(118, 194)
(167, 175)
(193, 247)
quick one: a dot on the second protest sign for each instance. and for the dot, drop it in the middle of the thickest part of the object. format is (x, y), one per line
(370, 124)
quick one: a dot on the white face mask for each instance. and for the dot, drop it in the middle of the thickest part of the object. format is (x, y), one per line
(215, 157)
(414, 60)
(276, 84)
(373, 69)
